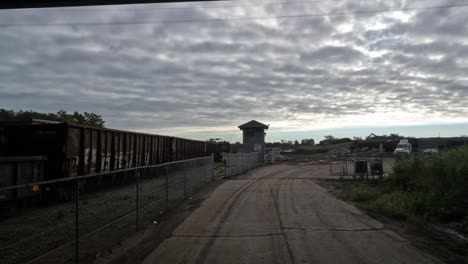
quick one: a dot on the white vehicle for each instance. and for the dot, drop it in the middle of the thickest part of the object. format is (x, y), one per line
(403, 148)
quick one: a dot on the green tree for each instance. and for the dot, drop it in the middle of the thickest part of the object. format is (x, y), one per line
(93, 119)
(90, 119)
(6, 115)
(395, 137)
(328, 140)
(309, 142)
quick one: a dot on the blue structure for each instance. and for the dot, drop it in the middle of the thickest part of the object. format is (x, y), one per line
(253, 137)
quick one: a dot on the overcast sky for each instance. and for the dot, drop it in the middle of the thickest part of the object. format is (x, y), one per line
(202, 79)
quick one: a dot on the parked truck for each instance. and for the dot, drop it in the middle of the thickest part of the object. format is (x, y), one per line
(403, 148)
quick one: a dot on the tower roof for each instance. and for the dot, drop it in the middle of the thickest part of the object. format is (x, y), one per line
(253, 124)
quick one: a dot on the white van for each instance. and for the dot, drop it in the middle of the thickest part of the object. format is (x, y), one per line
(403, 148)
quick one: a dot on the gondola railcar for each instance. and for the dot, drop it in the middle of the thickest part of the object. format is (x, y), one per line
(73, 150)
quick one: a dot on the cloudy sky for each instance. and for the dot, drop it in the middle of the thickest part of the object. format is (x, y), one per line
(197, 70)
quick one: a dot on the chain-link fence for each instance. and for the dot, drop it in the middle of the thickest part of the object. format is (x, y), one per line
(239, 163)
(362, 165)
(77, 220)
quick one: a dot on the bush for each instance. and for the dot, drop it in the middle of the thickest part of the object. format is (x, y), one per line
(333, 141)
(440, 181)
(362, 193)
(421, 189)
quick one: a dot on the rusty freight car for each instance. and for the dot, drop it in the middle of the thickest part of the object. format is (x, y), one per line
(17, 171)
(72, 150)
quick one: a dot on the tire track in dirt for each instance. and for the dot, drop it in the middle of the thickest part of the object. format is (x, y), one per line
(327, 222)
(227, 212)
(278, 215)
(222, 207)
(291, 200)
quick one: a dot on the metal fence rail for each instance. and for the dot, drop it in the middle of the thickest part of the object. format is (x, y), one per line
(239, 163)
(76, 220)
(345, 166)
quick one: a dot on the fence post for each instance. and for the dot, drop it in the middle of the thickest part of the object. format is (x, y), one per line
(346, 168)
(185, 179)
(196, 172)
(167, 188)
(77, 199)
(137, 199)
(242, 167)
(212, 166)
(243, 163)
(382, 164)
(225, 166)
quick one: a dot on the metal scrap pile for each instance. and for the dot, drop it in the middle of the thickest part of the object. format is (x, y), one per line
(276, 154)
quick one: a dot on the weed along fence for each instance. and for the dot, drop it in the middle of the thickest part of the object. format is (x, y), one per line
(239, 163)
(361, 165)
(100, 211)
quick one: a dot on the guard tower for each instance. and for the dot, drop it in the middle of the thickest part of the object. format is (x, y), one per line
(253, 137)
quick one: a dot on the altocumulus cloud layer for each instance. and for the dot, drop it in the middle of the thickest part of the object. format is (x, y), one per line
(404, 67)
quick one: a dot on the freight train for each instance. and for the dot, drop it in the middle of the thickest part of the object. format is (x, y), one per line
(43, 150)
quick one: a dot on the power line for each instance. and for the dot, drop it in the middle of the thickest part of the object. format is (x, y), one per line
(363, 12)
(185, 7)
(21, 4)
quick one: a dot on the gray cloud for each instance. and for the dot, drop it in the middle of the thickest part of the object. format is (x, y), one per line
(221, 73)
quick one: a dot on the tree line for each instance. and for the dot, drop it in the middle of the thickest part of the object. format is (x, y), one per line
(86, 118)
(328, 140)
(289, 143)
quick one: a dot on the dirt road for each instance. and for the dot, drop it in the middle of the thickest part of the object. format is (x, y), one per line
(277, 214)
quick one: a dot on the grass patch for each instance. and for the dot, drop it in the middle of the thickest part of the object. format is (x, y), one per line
(400, 204)
(361, 193)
